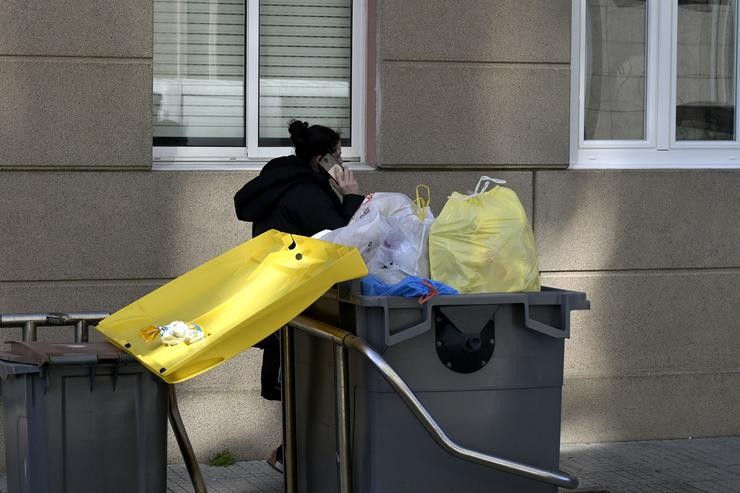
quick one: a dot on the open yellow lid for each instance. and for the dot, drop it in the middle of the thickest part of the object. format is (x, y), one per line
(237, 298)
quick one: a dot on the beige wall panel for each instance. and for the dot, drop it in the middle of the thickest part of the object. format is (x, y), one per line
(72, 296)
(239, 421)
(653, 322)
(76, 28)
(477, 30)
(154, 225)
(599, 220)
(655, 357)
(443, 183)
(646, 407)
(115, 225)
(473, 114)
(75, 112)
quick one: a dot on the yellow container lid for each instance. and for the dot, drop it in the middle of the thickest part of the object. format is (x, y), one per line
(237, 298)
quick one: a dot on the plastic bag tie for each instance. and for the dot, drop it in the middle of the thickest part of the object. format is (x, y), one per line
(432, 291)
(421, 202)
(485, 181)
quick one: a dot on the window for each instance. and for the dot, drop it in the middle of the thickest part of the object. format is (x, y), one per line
(230, 74)
(654, 84)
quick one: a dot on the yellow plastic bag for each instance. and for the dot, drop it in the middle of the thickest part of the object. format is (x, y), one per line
(483, 243)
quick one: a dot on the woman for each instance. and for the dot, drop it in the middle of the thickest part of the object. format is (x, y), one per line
(295, 194)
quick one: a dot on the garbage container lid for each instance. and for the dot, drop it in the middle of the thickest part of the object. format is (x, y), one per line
(237, 299)
(41, 353)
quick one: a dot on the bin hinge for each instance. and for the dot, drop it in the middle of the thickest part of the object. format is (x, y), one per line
(461, 352)
(114, 374)
(44, 377)
(93, 371)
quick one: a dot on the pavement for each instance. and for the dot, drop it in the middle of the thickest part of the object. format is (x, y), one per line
(675, 466)
(709, 465)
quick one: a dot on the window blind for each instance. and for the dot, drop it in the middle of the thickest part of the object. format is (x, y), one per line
(305, 66)
(199, 60)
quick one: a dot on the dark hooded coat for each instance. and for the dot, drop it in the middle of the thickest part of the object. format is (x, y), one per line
(290, 197)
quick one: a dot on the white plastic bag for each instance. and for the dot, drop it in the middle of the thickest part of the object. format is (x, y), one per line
(405, 249)
(391, 231)
(387, 204)
(365, 234)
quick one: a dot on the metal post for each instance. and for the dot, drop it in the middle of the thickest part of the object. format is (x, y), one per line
(289, 428)
(79, 327)
(186, 449)
(29, 331)
(342, 417)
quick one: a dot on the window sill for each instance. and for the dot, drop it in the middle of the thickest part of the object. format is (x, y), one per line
(653, 166)
(232, 166)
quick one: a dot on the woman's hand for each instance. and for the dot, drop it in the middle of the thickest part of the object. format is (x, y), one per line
(346, 181)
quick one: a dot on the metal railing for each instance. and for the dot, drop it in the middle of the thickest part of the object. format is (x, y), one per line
(29, 322)
(343, 340)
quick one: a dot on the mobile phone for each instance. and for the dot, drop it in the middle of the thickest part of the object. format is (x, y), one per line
(329, 161)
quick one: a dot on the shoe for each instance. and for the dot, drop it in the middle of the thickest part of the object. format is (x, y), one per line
(276, 459)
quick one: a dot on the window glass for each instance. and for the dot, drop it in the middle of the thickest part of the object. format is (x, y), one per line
(705, 71)
(615, 70)
(305, 66)
(199, 60)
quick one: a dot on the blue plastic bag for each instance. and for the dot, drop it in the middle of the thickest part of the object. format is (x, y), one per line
(410, 287)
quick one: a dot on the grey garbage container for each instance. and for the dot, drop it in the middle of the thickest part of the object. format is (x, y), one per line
(488, 367)
(82, 418)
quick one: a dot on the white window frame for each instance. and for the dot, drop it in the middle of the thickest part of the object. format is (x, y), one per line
(184, 157)
(659, 150)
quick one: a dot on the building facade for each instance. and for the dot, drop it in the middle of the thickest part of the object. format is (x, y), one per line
(452, 91)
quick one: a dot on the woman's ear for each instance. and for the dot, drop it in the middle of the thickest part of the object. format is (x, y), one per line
(314, 162)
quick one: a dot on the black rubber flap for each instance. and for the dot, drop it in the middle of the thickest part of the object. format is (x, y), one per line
(41, 353)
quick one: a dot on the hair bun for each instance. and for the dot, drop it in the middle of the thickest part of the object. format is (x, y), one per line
(310, 141)
(297, 128)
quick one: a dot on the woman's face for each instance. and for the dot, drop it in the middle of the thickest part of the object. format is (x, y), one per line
(338, 152)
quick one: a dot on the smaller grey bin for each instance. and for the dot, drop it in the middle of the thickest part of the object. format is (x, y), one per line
(488, 367)
(82, 418)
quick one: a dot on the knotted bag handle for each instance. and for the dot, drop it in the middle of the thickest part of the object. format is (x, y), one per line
(485, 182)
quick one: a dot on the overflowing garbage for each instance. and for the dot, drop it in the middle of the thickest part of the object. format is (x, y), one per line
(173, 333)
(482, 242)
